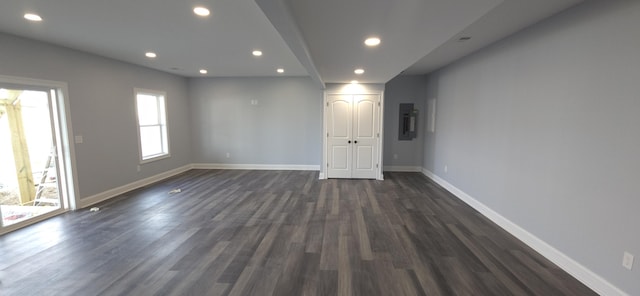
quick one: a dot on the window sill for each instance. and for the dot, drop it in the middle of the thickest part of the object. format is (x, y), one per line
(155, 158)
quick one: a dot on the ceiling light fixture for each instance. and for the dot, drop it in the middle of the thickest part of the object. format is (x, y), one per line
(354, 81)
(201, 11)
(372, 41)
(203, 71)
(257, 53)
(358, 71)
(151, 55)
(280, 70)
(33, 17)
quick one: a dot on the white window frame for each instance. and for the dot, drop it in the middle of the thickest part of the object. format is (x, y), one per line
(162, 97)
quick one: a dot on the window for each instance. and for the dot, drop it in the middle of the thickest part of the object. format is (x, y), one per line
(152, 125)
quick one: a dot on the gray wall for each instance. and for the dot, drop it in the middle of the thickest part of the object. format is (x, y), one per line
(543, 128)
(101, 98)
(403, 89)
(284, 128)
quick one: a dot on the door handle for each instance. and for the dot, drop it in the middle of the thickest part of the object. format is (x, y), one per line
(349, 141)
(355, 142)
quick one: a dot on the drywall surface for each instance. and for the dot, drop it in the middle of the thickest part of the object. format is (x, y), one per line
(543, 128)
(263, 121)
(403, 89)
(101, 99)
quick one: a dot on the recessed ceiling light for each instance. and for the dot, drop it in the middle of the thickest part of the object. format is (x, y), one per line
(354, 81)
(372, 41)
(151, 54)
(203, 71)
(33, 17)
(280, 70)
(201, 11)
(358, 71)
(257, 53)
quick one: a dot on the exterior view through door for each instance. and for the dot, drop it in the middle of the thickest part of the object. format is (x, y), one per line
(30, 173)
(353, 135)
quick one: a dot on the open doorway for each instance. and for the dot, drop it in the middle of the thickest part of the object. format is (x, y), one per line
(34, 182)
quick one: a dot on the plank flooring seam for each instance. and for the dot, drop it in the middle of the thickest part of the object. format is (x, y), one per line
(253, 232)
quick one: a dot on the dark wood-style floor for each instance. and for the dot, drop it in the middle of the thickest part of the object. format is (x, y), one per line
(277, 233)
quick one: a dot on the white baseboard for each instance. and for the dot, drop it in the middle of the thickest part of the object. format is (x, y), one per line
(321, 176)
(279, 167)
(398, 168)
(581, 273)
(111, 193)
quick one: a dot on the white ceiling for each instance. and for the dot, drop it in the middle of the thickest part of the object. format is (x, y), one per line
(507, 18)
(335, 31)
(321, 39)
(125, 29)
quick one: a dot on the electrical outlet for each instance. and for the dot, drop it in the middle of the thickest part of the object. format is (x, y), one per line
(627, 260)
(228, 154)
(139, 168)
(446, 168)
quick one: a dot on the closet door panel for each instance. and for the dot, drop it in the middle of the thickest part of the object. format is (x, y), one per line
(365, 130)
(339, 129)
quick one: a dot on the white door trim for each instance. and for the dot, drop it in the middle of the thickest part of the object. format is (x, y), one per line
(68, 187)
(350, 89)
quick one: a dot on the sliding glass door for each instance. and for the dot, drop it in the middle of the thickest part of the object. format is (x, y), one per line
(30, 173)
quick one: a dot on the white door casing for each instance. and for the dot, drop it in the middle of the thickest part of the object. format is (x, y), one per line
(352, 125)
(63, 153)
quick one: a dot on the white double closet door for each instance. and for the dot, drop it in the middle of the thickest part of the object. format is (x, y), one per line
(353, 135)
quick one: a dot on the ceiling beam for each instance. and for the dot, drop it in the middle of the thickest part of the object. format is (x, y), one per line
(279, 14)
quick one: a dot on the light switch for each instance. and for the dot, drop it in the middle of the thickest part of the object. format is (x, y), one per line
(627, 260)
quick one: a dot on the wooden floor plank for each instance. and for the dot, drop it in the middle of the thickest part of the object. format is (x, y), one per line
(241, 232)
